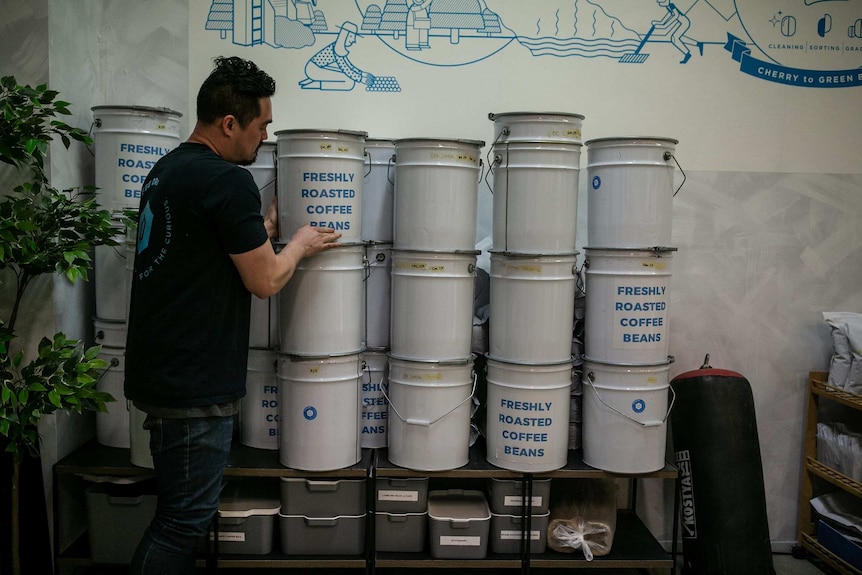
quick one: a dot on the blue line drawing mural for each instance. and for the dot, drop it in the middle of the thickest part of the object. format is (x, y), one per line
(331, 69)
(782, 41)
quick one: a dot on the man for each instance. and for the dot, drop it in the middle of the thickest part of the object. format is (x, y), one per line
(202, 249)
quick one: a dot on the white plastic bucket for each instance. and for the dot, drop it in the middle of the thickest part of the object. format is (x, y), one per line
(130, 246)
(527, 418)
(429, 413)
(378, 295)
(112, 426)
(378, 190)
(320, 182)
(375, 408)
(630, 192)
(628, 292)
(532, 307)
(625, 410)
(110, 274)
(139, 452)
(436, 194)
(318, 412)
(259, 409)
(129, 140)
(264, 172)
(560, 127)
(321, 307)
(109, 333)
(432, 305)
(535, 204)
(263, 329)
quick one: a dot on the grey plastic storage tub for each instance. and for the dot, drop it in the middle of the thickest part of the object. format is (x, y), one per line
(507, 531)
(507, 496)
(118, 514)
(321, 498)
(246, 516)
(402, 495)
(458, 523)
(339, 535)
(400, 532)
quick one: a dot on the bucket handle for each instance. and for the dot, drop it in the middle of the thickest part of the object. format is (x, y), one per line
(668, 156)
(591, 376)
(367, 370)
(498, 159)
(367, 157)
(389, 169)
(425, 422)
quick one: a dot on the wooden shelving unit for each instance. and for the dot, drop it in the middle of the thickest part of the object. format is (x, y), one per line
(818, 389)
(634, 546)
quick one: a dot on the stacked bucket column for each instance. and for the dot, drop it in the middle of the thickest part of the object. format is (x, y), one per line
(431, 379)
(129, 140)
(628, 271)
(320, 309)
(533, 281)
(259, 410)
(378, 190)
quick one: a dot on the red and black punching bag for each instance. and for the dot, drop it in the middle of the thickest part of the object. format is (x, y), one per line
(723, 501)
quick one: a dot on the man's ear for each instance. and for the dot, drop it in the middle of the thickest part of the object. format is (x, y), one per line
(229, 124)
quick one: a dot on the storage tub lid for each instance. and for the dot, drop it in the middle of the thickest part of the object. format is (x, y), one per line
(307, 518)
(530, 115)
(458, 505)
(248, 509)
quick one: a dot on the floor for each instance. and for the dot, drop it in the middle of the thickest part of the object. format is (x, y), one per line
(783, 564)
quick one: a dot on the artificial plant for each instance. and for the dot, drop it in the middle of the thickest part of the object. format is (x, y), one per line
(42, 231)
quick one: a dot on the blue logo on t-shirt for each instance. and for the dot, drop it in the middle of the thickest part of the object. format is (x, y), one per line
(145, 228)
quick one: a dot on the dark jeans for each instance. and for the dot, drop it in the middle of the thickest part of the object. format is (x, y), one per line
(189, 457)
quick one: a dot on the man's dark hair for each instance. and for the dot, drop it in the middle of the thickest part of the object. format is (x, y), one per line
(234, 87)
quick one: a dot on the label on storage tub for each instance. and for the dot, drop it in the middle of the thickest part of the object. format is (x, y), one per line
(395, 495)
(234, 536)
(508, 534)
(518, 501)
(452, 541)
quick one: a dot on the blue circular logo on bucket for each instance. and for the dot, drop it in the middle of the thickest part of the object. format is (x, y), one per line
(309, 413)
(638, 405)
(597, 182)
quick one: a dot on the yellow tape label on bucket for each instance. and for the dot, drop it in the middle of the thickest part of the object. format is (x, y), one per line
(325, 147)
(423, 377)
(660, 266)
(570, 133)
(314, 370)
(467, 158)
(343, 149)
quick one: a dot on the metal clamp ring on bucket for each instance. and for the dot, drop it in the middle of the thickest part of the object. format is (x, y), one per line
(424, 422)
(591, 376)
(668, 156)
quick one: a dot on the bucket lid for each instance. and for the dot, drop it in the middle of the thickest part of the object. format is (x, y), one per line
(139, 109)
(478, 143)
(640, 139)
(357, 133)
(493, 117)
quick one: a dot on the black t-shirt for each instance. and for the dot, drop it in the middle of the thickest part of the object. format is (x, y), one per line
(187, 343)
